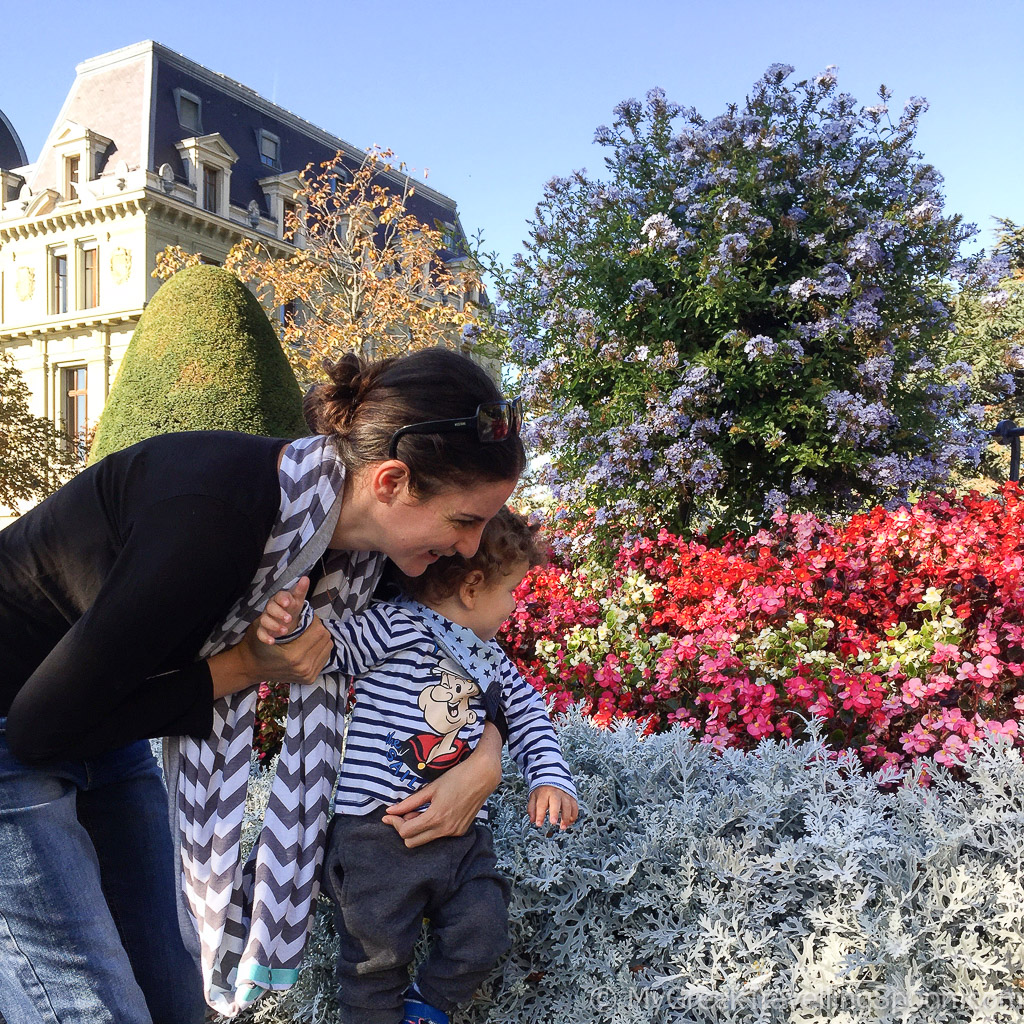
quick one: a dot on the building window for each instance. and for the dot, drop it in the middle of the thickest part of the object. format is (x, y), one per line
(270, 149)
(71, 167)
(75, 411)
(190, 110)
(289, 219)
(59, 282)
(211, 182)
(287, 313)
(90, 276)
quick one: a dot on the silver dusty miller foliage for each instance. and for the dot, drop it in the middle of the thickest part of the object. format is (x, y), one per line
(782, 885)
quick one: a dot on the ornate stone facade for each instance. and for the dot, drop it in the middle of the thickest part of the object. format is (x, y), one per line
(150, 149)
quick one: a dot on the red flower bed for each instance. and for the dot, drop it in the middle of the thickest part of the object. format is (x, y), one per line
(903, 630)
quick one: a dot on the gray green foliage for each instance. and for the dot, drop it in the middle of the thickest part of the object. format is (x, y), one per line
(204, 357)
(782, 885)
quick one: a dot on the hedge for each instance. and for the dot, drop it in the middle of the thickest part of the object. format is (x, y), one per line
(203, 357)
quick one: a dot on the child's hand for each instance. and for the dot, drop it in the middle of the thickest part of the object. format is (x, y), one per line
(552, 803)
(281, 616)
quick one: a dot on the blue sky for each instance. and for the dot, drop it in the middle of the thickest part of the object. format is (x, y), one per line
(495, 98)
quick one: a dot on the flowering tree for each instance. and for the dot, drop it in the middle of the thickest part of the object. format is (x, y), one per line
(365, 275)
(990, 333)
(749, 311)
(35, 458)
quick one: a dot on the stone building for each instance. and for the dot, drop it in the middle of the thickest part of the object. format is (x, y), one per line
(149, 149)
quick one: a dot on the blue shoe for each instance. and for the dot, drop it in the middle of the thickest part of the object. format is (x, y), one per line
(417, 1012)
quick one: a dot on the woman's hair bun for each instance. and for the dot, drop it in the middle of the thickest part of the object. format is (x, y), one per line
(361, 405)
(330, 407)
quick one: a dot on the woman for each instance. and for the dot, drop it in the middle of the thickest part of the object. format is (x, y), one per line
(108, 592)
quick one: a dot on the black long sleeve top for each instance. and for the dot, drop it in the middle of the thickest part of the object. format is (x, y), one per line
(110, 587)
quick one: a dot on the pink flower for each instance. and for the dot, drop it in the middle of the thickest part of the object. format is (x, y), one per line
(988, 667)
(1007, 728)
(917, 740)
(945, 652)
(913, 692)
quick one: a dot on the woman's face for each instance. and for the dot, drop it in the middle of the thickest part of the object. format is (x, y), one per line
(419, 531)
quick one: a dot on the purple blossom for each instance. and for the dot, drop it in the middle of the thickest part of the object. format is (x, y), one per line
(759, 345)
(660, 231)
(876, 372)
(834, 280)
(864, 315)
(864, 251)
(642, 290)
(1006, 385)
(733, 248)
(801, 486)
(855, 419)
(801, 290)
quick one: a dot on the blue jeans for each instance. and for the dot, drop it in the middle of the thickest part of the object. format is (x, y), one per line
(88, 925)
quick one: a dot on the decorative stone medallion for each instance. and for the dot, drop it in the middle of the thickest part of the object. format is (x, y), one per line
(25, 283)
(120, 265)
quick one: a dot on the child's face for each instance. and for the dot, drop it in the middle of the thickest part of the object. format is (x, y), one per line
(495, 603)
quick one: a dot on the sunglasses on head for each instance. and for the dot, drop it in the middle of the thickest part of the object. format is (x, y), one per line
(492, 421)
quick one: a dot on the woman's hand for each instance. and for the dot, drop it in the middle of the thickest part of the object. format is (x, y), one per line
(454, 798)
(253, 660)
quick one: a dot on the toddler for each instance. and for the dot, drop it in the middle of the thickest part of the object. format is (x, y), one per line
(428, 674)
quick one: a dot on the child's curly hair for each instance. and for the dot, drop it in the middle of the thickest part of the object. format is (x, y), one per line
(508, 540)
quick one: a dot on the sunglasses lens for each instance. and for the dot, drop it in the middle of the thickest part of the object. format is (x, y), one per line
(497, 421)
(492, 422)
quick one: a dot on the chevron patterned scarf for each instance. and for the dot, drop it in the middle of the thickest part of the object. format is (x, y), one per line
(251, 919)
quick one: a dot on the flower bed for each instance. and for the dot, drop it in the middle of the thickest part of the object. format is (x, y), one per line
(902, 631)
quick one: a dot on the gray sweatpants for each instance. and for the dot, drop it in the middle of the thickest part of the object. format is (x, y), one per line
(382, 890)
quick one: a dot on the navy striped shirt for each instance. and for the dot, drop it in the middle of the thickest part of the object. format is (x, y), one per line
(417, 714)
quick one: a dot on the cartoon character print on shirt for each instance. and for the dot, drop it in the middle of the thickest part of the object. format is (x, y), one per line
(446, 710)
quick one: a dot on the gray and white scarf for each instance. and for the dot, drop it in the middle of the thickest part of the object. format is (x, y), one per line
(251, 920)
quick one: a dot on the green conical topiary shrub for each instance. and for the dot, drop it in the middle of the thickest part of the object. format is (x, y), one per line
(204, 357)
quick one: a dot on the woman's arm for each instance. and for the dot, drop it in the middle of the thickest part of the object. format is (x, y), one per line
(455, 797)
(252, 660)
(106, 682)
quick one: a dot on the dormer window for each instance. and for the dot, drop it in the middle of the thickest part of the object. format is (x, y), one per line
(282, 200)
(208, 161)
(190, 110)
(78, 152)
(270, 148)
(211, 187)
(72, 166)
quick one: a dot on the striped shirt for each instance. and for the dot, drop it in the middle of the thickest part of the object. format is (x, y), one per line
(417, 714)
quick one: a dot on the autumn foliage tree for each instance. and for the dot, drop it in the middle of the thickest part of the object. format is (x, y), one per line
(365, 274)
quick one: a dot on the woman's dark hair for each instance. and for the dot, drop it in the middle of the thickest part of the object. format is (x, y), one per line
(363, 404)
(507, 541)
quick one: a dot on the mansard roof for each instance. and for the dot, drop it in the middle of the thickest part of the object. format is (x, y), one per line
(131, 97)
(12, 152)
